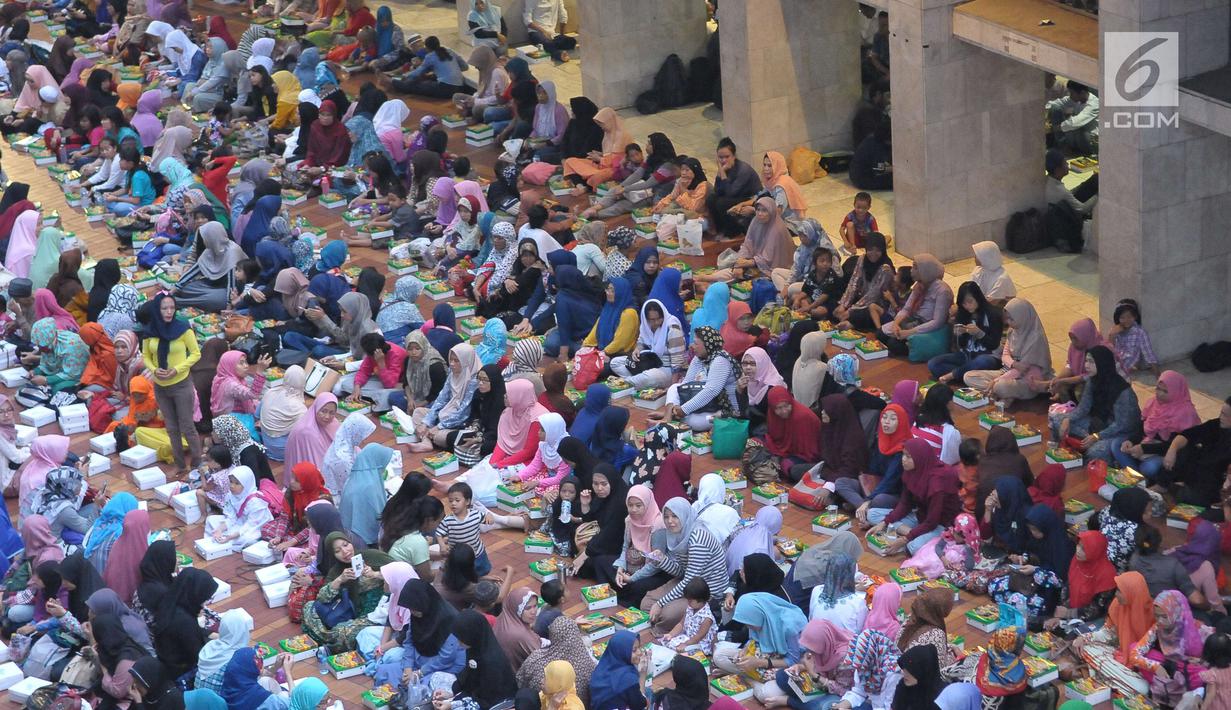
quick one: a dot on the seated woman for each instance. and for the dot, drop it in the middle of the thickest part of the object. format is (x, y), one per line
(19, 587)
(555, 379)
(757, 376)
(1162, 571)
(232, 433)
(660, 350)
(546, 468)
(648, 183)
(929, 499)
(710, 376)
(1107, 408)
(513, 291)
(207, 284)
(869, 277)
(1166, 414)
(62, 356)
(616, 330)
(690, 192)
(835, 599)
(608, 443)
(920, 327)
(355, 322)
(434, 425)
(978, 328)
(1083, 335)
(380, 373)
(363, 590)
(794, 432)
(281, 408)
(578, 307)
(231, 393)
(399, 315)
(775, 625)
(180, 637)
(884, 462)
(844, 449)
(1025, 360)
(1091, 582)
(1046, 558)
(419, 635)
(692, 552)
(990, 276)
(244, 514)
(60, 501)
(766, 247)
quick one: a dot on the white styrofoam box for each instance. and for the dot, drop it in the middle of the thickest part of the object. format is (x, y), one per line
(186, 507)
(272, 574)
(167, 490)
(152, 477)
(15, 376)
(8, 355)
(260, 553)
(70, 428)
(99, 463)
(142, 505)
(10, 674)
(208, 549)
(4, 652)
(37, 416)
(74, 413)
(276, 594)
(103, 444)
(23, 689)
(26, 435)
(224, 591)
(138, 456)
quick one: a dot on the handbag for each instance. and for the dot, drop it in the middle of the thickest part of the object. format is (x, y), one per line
(468, 446)
(730, 437)
(236, 326)
(80, 672)
(688, 390)
(585, 533)
(588, 363)
(646, 360)
(338, 611)
(321, 378)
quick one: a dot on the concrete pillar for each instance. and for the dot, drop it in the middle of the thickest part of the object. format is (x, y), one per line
(780, 94)
(968, 137)
(1165, 193)
(624, 43)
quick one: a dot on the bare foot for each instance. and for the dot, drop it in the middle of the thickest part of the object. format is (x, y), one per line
(526, 523)
(564, 57)
(420, 447)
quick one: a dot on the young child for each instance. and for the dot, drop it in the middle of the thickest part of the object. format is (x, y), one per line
(219, 127)
(969, 452)
(84, 139)
(564, 517)
(548, 468)
(1217, 678)
(698, 629)
(465, 521)
(552, 594)
(461, 239)
(895, 296)
(104, 174)
(822, 287)
(1130, 340)
(461, 169)
(214, 477)
(859, 222)
(138, 187)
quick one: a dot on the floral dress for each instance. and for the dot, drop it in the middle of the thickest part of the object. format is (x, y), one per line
(1040, 601)
(364, 595)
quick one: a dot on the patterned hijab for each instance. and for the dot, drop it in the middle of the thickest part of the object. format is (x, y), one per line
(1000, 671)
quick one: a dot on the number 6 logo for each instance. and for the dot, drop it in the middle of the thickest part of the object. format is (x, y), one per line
(1129, 55)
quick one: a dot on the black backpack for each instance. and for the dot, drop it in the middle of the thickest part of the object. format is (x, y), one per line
(647, 103)
(1211, 357)
(700, 80)
(1025, 232)
(671, 84)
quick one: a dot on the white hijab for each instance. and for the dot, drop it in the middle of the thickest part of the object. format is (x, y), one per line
(715, 515)
(246, 479)
(656, 340)
(554, 431)
(234, 633)
(390, 116)
(181, 50)
(989, 273)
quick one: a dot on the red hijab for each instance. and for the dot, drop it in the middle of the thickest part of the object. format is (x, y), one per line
(799, 434)
(311, 487)
(218, 28)
(328, 146)
(735, 340)
(673, 475)
(1048, 486)
(890, 444)
(101, 368)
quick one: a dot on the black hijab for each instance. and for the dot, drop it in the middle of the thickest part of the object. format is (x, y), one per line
(20, 31)
(370, 99)
(163, 331)
(577, 454)
(487, 678)
(561, 530)
(338, 97)
(582, 134)
(872, 241)
(370, 284)
(698, 172)
(1129, 504)
(80, 572)
(784, 361)
(922, 663)
(14, 193)
(1106, 385)
(608, 512)
(114, 643)
(161, 692)
(157, 572)
(324, 519)
(487, 408)
(434, 623)
(691, 691)
(762, 574)
(189, 592)
(308, 113)
(106, 277)
(178, 637)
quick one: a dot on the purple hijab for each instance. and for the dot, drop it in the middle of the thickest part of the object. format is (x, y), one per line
(175, 13)
(80, 64)
(1203, 543)
(447, 209)
(145, 121)
(420, 141)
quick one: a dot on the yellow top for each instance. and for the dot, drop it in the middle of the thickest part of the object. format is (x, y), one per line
(625, 337)
(182, 355)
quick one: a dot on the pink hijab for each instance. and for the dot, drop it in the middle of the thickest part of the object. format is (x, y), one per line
(764, 377)
(23, 242)
(37, 77)
(45, 306)
(123, 570)
(46, 452)
(73, 77)
(523, 412)
(145, 121)
(1164, 419)
(904, 394)
(641, 527)
(396, 575)
(223, 379)
(307, 440)
(41, 545)
(883, 616)
(1085, 335)
(470, 188)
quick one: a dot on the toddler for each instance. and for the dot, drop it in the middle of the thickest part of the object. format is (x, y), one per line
(969, 452)
(822, 287)
(219, 126)
(859, 222)
(698, 629)
(1217, 678)
(552, 594)
(561, 524)
(466, 519)
(548, 467)
(895, 296)
(1132, 344)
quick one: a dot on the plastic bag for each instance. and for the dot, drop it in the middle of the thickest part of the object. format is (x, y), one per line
(689, 234)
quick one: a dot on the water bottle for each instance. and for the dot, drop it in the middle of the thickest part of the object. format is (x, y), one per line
(566, 511)
(322, 659)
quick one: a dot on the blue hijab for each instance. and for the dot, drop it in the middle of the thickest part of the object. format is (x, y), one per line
(163, 331)
(265, 209)
(1054, 550)
(1009, 520)
(666, 291)
(363, 496)
(334, 255)
(328, 289)
(108, 526)
(305, 66)
(573, 293)
(598, 396)
(636, 272)
(713, 310)
(443, 340)
(240, 688)
(613, 311)
(384, 30)
(778, 622)
(486, 221)
(615, 672)
(273, 257)
(324, 76)
(607, 443)
(206, 699)
(495, 340)
(364, 142)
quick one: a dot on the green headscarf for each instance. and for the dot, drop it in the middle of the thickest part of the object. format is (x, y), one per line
(46, 257)
(371, 557)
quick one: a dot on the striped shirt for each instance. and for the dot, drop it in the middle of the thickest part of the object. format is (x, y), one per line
(465, 531)
(719, 375)
(703, 557)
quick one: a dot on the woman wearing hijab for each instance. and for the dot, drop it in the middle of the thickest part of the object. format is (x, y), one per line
(1026, 358)
(711, 509)
(1201, 557)
(843, 448)
(436, 422)
(45, 306)
(122, 571)
(116, 649)
(578, 308)
(62, 355)
(234, 630)
(1106, 410)
(22, 240)
(230, 392)
(1048, 488)
(1091, 579)
(102, 536)
(243, 515)
(990, 275)
(871, 274)
(329, 142)
(208, 282)
(925, 313)
(714, 368)
(660, 350)
(758, 375)
(1166, 414)
(826, 660)
(310, 438)
(1083, 335)
(566, 644)
(178, 637)
(339, 458)
(1110, 650)
(809, 372)
(1119, 522)
(363, 493)
(1046, 559)
(618, 682)
(281, 408)
(929, 499)
(736, 338)
(1005, 511)
(1001, 458)
(364, 592)
(766, 247)
(157, 569)
(794, 433)
(387, 124)
(692, 551)
(921, 681)
(514, 627)
(355, 321)
(422, 623)
(775, 625)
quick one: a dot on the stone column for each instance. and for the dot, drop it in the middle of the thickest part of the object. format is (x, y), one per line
(1165, 193)
(968, 137)
(790, 73)
(624, 43)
